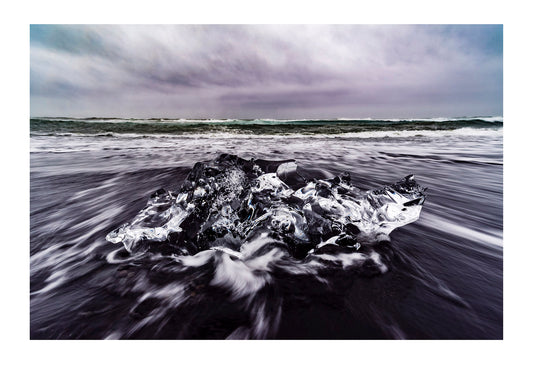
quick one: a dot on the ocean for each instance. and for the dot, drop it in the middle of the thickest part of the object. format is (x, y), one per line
(266, 229)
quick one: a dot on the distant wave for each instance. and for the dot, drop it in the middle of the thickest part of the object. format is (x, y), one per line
(438, 119)
(256, 127)
(230, 135)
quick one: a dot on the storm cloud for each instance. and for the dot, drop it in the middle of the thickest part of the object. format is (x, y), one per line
(266, 71)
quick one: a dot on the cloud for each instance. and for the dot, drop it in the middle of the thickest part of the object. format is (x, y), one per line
(265, 70)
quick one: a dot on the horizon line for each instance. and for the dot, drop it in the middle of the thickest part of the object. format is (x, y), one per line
(272, 119)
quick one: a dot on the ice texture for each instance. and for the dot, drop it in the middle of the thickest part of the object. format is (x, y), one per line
(238, 206)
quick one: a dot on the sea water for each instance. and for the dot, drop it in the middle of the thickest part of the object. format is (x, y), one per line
(115, 252)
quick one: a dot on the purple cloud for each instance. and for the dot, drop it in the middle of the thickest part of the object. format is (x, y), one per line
(271, 71)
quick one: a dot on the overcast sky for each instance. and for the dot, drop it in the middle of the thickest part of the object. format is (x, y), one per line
(266, 71)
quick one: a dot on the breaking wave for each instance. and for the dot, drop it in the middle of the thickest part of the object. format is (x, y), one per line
(109, 127)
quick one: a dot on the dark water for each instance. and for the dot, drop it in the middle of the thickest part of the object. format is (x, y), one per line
(443, 275)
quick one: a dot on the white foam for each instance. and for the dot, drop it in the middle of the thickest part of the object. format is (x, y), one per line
(437, 119)
(346, 259)
(463, 231)
(89, 142)
(239, 277)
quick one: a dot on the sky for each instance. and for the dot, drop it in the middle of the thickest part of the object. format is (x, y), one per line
(266, 71)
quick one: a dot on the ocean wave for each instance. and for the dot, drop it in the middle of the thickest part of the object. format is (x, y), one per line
(239, 135)
(254, 127)
(492, 118)
(437, 119)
